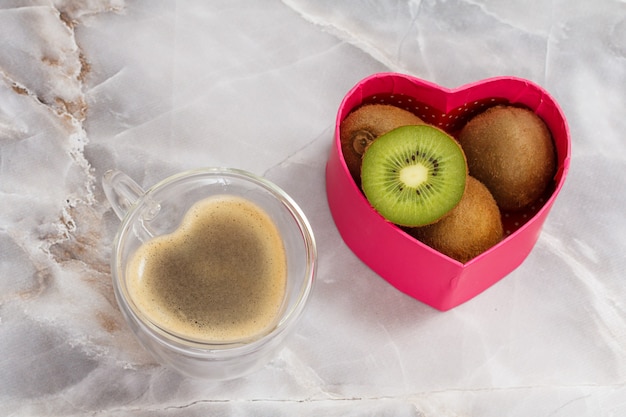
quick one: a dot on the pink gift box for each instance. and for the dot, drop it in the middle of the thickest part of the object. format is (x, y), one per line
(409, 265)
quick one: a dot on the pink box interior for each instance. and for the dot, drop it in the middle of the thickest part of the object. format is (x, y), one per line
(404, 262)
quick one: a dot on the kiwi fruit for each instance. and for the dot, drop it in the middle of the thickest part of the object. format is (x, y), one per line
(472, 226)
(511, 151)
(365, 124)
(413, 175)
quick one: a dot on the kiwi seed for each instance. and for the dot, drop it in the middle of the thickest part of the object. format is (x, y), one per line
(511, 151)
(414, 175)
(364, 125)
(472, 227)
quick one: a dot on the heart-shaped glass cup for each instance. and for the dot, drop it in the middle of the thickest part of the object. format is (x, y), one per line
(159, 211)
(409, 265)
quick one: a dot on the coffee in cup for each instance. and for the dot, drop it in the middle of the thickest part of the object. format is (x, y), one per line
(220, 276)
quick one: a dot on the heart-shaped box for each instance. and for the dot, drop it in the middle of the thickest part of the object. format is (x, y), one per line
(409, 265)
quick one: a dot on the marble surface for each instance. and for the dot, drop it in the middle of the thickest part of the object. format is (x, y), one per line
(156, 87)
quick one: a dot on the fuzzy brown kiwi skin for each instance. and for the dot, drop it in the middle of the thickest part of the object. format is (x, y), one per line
(510, 150)
(469, 229)
(364, 125)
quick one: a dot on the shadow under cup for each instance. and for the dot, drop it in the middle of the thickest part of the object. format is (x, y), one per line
(160, 211)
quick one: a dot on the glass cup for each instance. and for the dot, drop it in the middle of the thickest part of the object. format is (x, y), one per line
(159, 211)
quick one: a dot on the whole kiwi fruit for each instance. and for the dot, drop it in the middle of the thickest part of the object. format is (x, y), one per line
(470, 228)
(413, 175)
(511, 151)
(364, 125)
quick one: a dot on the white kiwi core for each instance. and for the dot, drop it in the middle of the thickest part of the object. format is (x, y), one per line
(414, 175)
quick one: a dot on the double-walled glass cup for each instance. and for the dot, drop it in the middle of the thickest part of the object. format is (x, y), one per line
(159, 211)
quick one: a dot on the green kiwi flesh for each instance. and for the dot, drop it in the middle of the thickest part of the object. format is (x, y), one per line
(511, 151)
(472, 227)
(414, 175)
(364, 125)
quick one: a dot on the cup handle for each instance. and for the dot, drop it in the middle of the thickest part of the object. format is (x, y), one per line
(121, 191)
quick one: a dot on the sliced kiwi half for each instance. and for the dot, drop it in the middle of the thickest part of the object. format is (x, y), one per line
(364, 125)
(414, 175)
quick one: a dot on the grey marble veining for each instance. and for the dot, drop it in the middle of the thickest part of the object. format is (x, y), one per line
(153, 88)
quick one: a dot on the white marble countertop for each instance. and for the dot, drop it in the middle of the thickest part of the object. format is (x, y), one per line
(153, 88)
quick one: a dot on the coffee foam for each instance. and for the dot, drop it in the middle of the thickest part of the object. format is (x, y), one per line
(220, 276)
